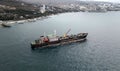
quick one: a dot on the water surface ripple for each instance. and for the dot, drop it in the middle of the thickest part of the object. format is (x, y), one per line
(101, 51)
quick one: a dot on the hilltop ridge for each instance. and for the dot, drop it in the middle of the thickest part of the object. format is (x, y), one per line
(19, 10)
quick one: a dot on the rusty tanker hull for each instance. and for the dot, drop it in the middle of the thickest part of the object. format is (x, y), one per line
(58, 41)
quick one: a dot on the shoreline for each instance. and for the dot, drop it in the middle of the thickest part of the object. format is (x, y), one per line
(11, 22)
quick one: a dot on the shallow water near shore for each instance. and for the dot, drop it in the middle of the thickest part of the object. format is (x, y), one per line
(101, 51)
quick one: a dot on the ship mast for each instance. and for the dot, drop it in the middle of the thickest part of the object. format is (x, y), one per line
(55, 33)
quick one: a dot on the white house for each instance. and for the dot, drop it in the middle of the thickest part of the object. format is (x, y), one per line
(42, 9)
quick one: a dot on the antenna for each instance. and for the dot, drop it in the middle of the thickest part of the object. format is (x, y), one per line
(44, 34)
(55, 33)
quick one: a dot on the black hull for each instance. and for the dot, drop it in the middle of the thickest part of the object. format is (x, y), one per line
(57, 44)
(60, 42)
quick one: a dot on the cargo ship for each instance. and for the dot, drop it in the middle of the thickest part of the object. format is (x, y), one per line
(6, 25)
(53, 40)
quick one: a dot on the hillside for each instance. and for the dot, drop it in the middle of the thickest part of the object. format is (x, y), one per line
(16, 10)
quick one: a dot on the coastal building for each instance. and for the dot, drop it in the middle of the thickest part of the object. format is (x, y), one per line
(2, 6)
(7, 7)
(21, 17)
(1, 22)
(72, 5)
(83, 8)
(22, 4)
(49, 8)
(43, 9)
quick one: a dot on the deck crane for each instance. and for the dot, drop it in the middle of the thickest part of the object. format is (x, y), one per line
(67, 32)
